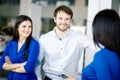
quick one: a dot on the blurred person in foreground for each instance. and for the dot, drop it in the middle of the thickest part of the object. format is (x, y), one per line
(106, 62)
(62, 47)
(21, 52)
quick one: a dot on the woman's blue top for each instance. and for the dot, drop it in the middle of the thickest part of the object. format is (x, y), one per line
(105, 66)
(16, 56)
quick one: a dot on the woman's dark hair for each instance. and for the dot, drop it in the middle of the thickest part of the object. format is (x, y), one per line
(19, 20)
(106, 30)
(65, 9)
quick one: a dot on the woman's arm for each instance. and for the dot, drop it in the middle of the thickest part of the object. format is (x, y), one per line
(32, 57)
(18, 67)
(10, 66)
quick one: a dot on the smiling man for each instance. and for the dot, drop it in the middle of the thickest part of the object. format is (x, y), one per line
(61, 48)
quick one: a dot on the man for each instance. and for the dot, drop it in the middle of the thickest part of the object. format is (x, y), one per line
(61, 48)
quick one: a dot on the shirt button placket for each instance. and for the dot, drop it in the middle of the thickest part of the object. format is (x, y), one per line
(61, 52)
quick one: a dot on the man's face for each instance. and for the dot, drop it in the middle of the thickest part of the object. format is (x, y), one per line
(62, 20)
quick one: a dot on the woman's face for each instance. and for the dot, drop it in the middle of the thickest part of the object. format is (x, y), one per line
(25, 29)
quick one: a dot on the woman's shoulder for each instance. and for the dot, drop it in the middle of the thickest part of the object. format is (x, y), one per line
(11, 42)
(34, 41)
(101, 52)
(105, 53)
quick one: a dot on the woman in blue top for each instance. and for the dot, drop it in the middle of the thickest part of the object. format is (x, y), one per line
(106, 62)
(21, 52)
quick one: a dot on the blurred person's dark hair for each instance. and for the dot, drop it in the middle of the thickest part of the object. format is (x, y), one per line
(106, 30)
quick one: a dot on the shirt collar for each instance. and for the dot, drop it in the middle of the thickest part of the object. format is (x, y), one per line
(54, 34)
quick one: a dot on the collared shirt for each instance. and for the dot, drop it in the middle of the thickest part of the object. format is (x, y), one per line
(62, 55)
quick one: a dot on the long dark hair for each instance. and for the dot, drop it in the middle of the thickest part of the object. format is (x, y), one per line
(106, 30)
(19, 20)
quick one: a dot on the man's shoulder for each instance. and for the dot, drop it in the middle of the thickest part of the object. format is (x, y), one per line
(47, 34)
(76, 32)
